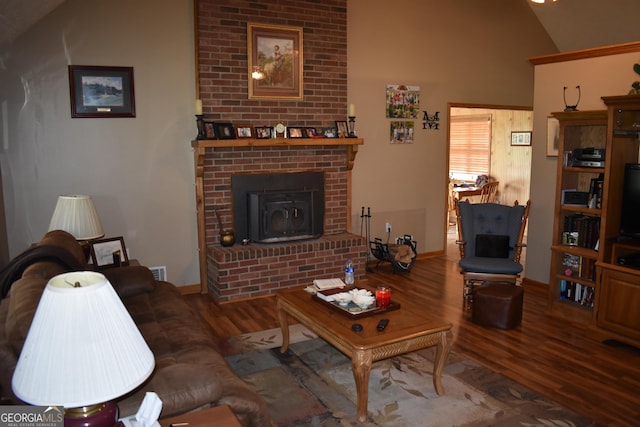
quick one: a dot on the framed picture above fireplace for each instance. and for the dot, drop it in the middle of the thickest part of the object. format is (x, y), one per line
(275, 61)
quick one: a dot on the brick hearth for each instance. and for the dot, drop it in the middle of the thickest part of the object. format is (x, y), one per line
(252, 270)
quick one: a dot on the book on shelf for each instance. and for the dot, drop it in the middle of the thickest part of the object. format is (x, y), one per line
(595, 192)
(578, 293)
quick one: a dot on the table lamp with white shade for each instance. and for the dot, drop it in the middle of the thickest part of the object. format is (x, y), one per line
(77, 215)
(82, 351)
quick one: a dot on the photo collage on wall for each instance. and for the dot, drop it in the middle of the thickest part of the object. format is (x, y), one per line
(402, 102)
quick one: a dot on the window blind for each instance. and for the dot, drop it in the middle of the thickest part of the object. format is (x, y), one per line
(470, 144)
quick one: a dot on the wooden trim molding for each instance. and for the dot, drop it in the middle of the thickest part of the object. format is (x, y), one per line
(586, 53)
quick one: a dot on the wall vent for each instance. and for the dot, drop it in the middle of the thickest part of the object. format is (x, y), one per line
(159, 273)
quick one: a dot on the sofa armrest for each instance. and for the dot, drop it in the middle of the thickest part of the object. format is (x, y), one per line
(130, 280)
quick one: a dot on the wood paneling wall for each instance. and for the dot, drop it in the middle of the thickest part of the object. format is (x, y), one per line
(511, 165)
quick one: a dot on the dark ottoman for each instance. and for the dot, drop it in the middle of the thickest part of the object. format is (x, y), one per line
(498, 305)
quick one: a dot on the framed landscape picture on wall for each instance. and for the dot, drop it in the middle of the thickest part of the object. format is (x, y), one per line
(98, 91)
(275, 61)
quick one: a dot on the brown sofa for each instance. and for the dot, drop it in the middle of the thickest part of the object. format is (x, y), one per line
(189, 374)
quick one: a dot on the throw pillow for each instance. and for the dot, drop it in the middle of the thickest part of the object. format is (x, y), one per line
(492, 246)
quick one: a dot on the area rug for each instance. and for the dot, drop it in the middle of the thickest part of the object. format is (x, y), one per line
(313, 385)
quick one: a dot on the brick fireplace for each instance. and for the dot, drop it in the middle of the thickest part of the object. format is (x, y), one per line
(245, 271)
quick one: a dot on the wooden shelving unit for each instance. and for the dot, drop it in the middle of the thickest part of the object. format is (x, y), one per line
(586, 283)
(573, 285)
(618, 312)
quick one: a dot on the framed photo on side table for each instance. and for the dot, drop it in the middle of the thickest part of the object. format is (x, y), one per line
(99, 92)
(106, 253)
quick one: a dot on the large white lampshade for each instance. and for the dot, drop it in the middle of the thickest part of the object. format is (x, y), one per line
(83, 348)
(77, 215)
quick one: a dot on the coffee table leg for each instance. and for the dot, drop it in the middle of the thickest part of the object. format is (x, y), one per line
(442, 351)
(361, 365)
(284, 326)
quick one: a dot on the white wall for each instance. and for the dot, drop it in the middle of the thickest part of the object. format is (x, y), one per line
(138, 170)
(464, 51)
(597, 77)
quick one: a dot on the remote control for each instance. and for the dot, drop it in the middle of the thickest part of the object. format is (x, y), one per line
(382, 324)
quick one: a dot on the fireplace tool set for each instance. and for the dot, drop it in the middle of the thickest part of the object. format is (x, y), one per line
(365, 222)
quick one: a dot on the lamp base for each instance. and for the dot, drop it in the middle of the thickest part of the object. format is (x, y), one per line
(99, 415)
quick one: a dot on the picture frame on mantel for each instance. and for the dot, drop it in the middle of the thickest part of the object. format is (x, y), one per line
(101, 92)
(276, 53)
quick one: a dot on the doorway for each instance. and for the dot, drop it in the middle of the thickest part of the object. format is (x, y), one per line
(509, 164)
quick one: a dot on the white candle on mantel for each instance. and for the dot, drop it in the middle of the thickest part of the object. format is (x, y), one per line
(198, 107)
(352, 110)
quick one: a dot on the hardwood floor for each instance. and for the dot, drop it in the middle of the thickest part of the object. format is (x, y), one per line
(554, 357)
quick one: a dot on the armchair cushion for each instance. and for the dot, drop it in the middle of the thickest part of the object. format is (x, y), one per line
(490, 265)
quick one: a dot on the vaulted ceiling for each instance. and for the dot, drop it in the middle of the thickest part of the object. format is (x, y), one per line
(572, 24)
(583, 24)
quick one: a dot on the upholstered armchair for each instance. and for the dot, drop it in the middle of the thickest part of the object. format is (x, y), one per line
(490, 241)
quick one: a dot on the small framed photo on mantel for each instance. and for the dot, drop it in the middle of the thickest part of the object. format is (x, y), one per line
(244, 131)
(225, 131)
(264, 132)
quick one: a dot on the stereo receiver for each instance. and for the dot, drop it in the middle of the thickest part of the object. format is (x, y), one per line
(588, 157)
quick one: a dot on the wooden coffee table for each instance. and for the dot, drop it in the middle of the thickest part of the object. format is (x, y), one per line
(409, 329)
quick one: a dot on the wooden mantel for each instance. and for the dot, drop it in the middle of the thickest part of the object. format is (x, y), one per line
(200, 147)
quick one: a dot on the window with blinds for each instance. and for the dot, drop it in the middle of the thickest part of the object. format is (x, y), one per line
(470, 145)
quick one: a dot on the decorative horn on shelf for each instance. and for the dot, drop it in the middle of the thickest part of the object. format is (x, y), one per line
(568, 107)
(227, 237)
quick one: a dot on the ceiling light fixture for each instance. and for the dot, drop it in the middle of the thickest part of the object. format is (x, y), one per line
(543, 1)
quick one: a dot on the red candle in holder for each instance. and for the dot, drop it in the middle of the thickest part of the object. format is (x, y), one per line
(383, 296)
